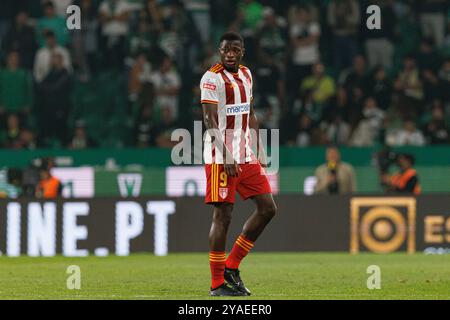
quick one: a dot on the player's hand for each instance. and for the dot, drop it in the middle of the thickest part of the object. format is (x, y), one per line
(232, 170)
(263, 163)
(262, 158)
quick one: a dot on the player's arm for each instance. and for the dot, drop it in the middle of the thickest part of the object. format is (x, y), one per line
(254, 125)
(210, 120)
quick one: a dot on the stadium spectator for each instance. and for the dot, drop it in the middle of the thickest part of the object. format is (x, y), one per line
(322, 86)
(444, 80)
(114, 28)
(15, 88)
(52, 22)
(428, 57)
(80, 138)
(269, 80)
(379, 42)
(344, 18)
(43, 60)
(362, 136)
(368, 129)
(272, 37)
(356, 76)
(249, 15)
(141, 40)
(432, 19)
(406, 180)
(55, 102)
(409, 135)
(268, 112)
(304, 35)
(380, 87)
(337, 130)
(49, 187)
(179, 37)
(167, 83)
(338, 105)
(17, 136)
(27, 139)
(304, 132)
(151, 14)
(335, 176)
(436, 130)
(305, 104)
(21, 38)
(85, 41)
(139, 75)
(10, 138)
(431, 87)
(143, 128)
(410, 88)
(7, 14)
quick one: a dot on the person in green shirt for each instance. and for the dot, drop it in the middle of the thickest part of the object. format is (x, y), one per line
(15, 87)
(322, 86)
(250, 14)
(51, 21)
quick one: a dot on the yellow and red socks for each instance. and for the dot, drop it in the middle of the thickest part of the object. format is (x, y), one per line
(240, 249)
(217, 264)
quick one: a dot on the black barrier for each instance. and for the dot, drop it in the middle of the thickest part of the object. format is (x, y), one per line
(104, 226)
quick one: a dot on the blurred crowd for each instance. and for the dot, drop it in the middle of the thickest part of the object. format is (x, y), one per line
(320, 74)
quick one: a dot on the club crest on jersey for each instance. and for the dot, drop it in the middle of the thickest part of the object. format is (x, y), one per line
(223, 192)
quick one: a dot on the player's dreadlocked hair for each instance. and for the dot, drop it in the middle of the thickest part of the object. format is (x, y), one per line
(232, 36)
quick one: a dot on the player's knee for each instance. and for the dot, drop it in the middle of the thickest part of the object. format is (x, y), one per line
(269, 211)
(222, 214)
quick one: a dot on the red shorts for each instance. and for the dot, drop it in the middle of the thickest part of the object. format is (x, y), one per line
(251, 181)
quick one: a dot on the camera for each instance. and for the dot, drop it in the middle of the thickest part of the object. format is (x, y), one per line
(385, 159)
(28, 178)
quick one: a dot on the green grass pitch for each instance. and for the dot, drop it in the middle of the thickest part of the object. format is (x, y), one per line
(268, 275)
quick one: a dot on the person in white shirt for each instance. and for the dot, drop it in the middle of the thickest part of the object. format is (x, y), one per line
(409, 135)
(304, 34)
(167, 85)
(114, 28)
(42, 63)
(114, 17)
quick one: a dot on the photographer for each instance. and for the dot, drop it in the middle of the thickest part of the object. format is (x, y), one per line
(49, 187)
(335, 177)
(406, 180)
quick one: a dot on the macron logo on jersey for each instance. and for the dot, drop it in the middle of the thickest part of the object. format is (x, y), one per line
(235, 109)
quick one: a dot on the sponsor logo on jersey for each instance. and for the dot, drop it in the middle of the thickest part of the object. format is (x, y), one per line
(209, 86)
(235, 109)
